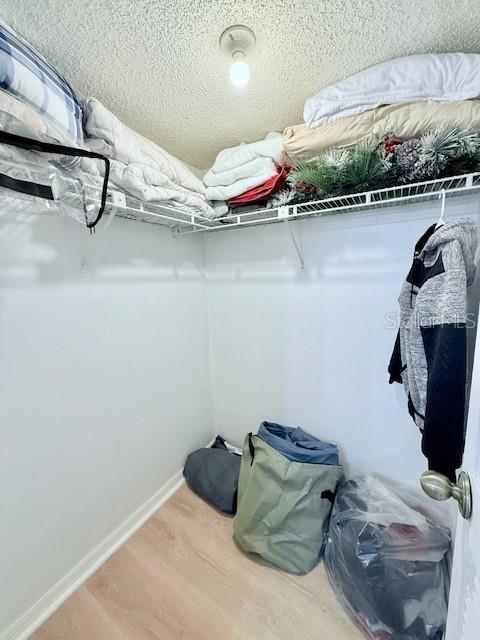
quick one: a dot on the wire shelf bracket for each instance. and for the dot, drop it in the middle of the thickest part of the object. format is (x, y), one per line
(296, 244)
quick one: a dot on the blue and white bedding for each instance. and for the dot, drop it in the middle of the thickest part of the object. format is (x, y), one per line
(25, 74)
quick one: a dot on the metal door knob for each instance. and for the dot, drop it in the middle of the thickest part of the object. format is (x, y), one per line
(439, 487)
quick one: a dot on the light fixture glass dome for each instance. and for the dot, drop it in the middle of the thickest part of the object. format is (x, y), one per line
(237, 42)
(239, 71)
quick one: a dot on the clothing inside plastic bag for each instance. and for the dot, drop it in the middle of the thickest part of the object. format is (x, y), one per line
(41, 187)
(387, 557)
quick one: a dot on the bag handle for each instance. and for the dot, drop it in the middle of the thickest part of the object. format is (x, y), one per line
(24, 186)
(251, 447)
(43, 191)
(328, 495)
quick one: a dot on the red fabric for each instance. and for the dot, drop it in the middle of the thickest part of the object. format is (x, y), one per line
(264, 190)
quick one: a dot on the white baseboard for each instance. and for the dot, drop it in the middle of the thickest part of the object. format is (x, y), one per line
(29, 622)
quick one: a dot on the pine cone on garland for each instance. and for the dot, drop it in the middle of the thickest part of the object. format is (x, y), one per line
(406, 156)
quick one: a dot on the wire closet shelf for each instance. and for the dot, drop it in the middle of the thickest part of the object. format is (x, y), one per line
(354, 202)
(182, 222)
(380, 198)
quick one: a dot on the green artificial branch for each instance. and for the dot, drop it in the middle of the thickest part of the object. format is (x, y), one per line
(379, 162)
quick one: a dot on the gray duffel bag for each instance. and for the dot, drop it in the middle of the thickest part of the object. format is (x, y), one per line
(283, 506)
(212, 473)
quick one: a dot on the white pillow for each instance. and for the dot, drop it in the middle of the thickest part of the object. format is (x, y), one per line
(428, 76)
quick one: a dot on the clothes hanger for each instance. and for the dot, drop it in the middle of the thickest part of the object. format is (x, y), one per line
(441, 220)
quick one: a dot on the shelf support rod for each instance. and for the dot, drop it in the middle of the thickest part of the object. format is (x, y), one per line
(296, 245)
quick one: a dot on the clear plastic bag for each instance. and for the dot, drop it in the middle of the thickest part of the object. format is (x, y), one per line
(65, 193)
(47, 180)
(387, 558)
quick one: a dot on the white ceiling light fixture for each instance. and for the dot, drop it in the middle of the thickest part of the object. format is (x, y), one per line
(236, 42)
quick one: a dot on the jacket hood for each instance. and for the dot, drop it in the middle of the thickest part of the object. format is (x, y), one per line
(464, 231)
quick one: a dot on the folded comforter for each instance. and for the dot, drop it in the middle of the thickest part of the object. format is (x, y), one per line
(404, 120)
(128, 146)
(258, 166)
(271, 147)
(244, 167)
(240, 186)
(148, 184)
(139, 166)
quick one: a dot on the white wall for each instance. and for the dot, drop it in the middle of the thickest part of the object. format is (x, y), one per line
(104, 388)
(311, 348)
(105, 376)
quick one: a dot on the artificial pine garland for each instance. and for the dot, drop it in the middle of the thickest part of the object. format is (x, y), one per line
(384, 161)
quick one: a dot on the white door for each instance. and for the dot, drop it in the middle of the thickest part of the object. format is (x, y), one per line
(464, 608)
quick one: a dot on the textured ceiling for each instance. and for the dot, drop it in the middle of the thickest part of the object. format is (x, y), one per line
(158, 65)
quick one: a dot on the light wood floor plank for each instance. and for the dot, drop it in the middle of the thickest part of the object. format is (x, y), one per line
(181, 577)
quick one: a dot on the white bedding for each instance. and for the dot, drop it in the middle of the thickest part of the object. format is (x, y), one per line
(256, 167)
(139, 166)
(271, 147)
(244, 167)
(240, 186)
(148, 184)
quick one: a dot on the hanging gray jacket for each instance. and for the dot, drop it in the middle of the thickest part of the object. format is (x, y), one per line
(429, 357)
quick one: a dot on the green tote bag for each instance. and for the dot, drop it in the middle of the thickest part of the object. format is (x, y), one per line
(283, 507)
